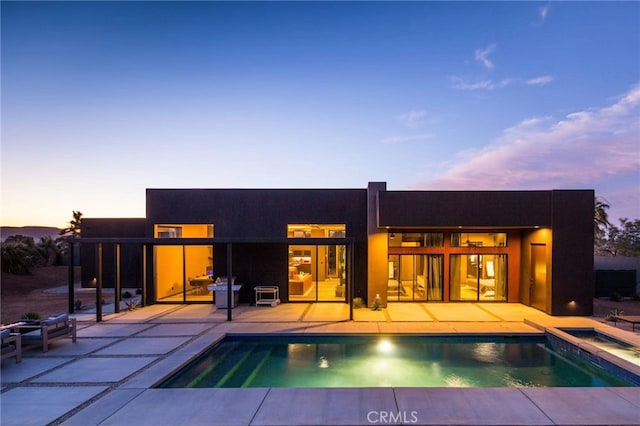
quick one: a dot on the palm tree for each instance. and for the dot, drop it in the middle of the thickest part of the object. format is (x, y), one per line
(600, 219)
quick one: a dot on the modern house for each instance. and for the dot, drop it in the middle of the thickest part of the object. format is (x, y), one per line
(334, 245)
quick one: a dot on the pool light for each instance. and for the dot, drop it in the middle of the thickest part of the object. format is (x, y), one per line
(385, 346)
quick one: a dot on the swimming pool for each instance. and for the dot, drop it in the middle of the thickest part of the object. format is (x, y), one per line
(387, 361)
(607, 343)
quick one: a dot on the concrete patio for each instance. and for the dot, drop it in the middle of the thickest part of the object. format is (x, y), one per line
(106, 377)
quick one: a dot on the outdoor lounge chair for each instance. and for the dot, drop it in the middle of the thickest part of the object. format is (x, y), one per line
(50, 329)
(11, 344)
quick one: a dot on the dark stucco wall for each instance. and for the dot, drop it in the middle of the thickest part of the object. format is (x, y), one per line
(263, 214)
(572, 253)
(464, 208)
(129, 255)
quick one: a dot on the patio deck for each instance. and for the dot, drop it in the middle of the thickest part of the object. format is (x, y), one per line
(105, 378)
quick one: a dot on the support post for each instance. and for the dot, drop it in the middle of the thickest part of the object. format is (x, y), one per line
(229, 284)
(350, 280)
(143, 288)
(71, 278)
(99, 285)
(116, 298)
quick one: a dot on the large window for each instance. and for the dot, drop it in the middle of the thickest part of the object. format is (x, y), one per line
(416, 239)
(183, 231)
(317, 272)
(479, 239)
(478, 277)
(316, 230)
(415, 277)
(183, 272)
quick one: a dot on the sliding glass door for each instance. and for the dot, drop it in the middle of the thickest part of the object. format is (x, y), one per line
(415, 277)
(478, 277)
(317, 273)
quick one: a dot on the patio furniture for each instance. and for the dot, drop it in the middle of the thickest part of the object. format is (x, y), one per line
(199, 284)
(267, 295)
(633, 319)
(220, 291)
(11, 344)
(50, 329)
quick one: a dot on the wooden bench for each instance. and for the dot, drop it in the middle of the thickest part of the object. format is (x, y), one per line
(633, 319)
(11, 344)
(50, 329)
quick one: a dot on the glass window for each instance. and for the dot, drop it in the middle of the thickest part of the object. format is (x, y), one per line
(183, 273)
(416, 239)
(316, 231)
(317, 273)
(183, 231)
(415, 277)
(478, 277)
(479, 239)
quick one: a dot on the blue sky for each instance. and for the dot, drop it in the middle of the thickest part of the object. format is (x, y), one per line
(101, 100)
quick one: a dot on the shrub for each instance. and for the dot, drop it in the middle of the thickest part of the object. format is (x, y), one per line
(611, 316)
(616, 297)
(18, 256)
(31, 316)
(127, 295)
(358, 303)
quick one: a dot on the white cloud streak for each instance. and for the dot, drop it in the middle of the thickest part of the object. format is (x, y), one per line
(460, 83)
(482, 56)
(540, 81)
(583, 148)
(544, 11)
(412, 118)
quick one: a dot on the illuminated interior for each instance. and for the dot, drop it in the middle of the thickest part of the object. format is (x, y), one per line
(316, 230)
(443, 266)
(182, 272)
(317, 272)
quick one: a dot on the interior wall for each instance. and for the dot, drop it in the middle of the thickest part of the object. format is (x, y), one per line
(537, 236)
(168, 271)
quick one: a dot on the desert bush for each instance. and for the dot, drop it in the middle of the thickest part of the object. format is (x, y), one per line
(31, 316)
(19, 255)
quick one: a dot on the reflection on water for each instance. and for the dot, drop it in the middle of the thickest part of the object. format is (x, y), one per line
(397, 361)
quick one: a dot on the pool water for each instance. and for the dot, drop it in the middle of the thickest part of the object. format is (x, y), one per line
(609, 344)
(393, 361)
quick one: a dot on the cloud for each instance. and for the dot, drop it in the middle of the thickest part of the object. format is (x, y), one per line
(462, 84)
(543, 11)
(482, 56)
(540, 81)
(582, 148)
(403, 139)
(412, 118)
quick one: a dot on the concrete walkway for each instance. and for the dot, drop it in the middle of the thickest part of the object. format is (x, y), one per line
(106, 377)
